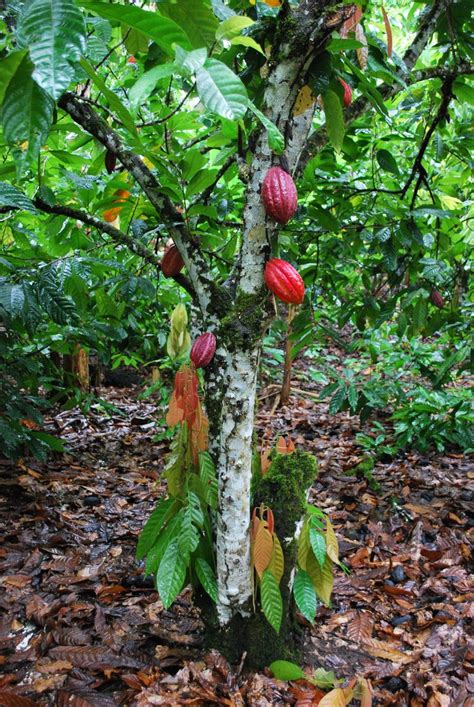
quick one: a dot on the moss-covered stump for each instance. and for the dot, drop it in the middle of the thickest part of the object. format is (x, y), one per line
(284, 489)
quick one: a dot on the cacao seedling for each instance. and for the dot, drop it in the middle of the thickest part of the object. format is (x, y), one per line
(110, 161)
(437, 299)
(172, 262)
(284, 281)
(347, 97)
(279, 195)
(203, 350)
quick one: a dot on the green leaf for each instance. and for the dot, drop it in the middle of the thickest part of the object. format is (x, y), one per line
(12, 299)
(134, 40)
(11, 196)
(146, 83)
(276, 141)
(387, 161)
(233, 26)
(189, 62)
(270, 597)
(195, 17)
(188, 538)
(284, 670)
(247, 42)
(207, 473)
(114, 101)
(334, 119)
(207, 578)
(305, 596)
(152, 527)
(168, 533)
(338, 44)
(220, 90)
(337, 400)
(171, 574)
(55, 35)
(318, 545)
(162, 30)
(8, 68)
(26, 114)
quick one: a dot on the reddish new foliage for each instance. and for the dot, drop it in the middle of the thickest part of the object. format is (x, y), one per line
(279, 195)
(284, 281)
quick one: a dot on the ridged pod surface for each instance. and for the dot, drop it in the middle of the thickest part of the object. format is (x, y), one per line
(279, 195)
(347, 98)
(284, 281)
(437, 299)
(203, 350)
(172, 262)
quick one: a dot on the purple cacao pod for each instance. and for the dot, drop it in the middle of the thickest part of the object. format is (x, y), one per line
(203, 350)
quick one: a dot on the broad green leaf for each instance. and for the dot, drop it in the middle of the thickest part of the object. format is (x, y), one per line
(146, 83)
(220, 90)
(207, 578)
(12, 298)
(188, 538)
(114, 101)
(167, 534)
(318, 545)
(276, 141)
(26, 114)
(8, 68)
(387, 161)
(284, 670)
(55, 35)
(189, 62)
(337, 400)
(134, 40)
(322, 578)
(334, 119)
(195, 17)
(207, 472)
(152, 527)
(245, 41)
(171, 574)
(11, 196)
(338, 44)
(161, 30)
(233, 26)
(305, 595)
(270, 597)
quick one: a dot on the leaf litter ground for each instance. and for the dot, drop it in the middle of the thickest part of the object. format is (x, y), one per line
(80, 625)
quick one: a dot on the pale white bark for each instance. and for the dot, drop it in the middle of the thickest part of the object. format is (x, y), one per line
(234, 468)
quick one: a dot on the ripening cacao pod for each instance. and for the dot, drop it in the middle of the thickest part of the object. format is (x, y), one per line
(131, 59)
(284, 281)
(437, 299)
(347, 97)
(172, 262)
(279, 195)
(110, 161)
(203, 350)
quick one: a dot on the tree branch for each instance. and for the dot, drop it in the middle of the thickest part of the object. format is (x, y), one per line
(196, 265)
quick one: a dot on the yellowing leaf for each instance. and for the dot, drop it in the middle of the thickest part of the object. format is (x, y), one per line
(335, 698)
(332, 545)
(362, 52)
(365, 693)
(277, 562)
(388, 32)
(322, 578)
(303, 545)
(262, 549)
(304, 100)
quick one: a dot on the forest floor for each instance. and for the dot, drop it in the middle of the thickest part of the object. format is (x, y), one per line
(82, 626)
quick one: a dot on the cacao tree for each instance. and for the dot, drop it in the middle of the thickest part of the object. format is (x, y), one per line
(191, 156)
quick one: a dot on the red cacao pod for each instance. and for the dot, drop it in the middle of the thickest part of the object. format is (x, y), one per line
(203, 350)
(437, 299)
(347, 97)
(110, 161)
(172, 262)
(279, 195)
(284, 281)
